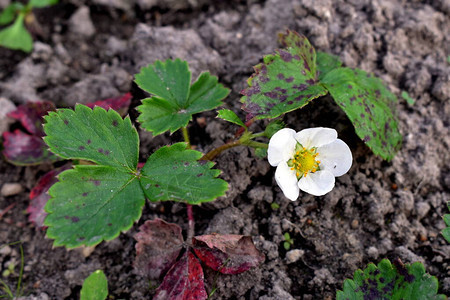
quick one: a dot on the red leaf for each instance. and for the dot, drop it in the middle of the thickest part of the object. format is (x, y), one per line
(184, 281)
(39, 196)
(228, 254)
(31, 115)
(119, 104)
(24, 149)
(159, 244)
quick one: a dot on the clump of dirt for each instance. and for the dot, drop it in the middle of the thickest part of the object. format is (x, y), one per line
(91, 50)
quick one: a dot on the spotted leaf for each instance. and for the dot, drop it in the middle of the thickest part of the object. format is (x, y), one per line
(174, 99)
(175, 173)
(386, 281)
(96, 135)
(285, 81)
(92, 203)
(228, 254)
(369, 106)
(184, 281)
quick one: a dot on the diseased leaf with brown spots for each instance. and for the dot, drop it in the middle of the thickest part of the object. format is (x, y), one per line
(387, 281)
(285, 81)
(184, 281)
(91, 203)
(369, 106)
(158, 246)
(228, 254)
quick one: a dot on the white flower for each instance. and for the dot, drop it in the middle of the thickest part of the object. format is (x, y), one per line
(308, 160)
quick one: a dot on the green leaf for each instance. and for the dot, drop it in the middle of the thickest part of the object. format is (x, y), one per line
(273, 127)
(230, 116)
(446, 231)
(388, 282)
(92, 203)
(175, 173)
(95, 287)
(16, 36)
(41, 3)
(326, 63)
(96, 135)
(369, 106)
(285, 81)
(175, 101)
(261, 152)
(8, 14)
(408, 98)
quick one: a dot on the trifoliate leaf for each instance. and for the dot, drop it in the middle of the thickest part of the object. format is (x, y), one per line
(16, 36)
(92, 203)
(95, 287)
(446, 231)
(175, 100)
(184, 281)
(285, 81)
(175, 173)
(9, 12)
(388, 282)
(158, 245)
(230, 116)
(369, 106)
(326, 63)
(96, 135)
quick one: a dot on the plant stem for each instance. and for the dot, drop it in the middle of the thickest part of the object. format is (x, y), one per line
(191, 223)
(186, 136)
(214, 152)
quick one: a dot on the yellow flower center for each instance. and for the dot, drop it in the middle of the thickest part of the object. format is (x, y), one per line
(304, 161)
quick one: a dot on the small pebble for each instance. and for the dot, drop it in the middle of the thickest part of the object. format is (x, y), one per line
(355, 224)
(11, 189)
(294, 255)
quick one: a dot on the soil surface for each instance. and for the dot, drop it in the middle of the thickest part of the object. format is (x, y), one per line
(90, 50)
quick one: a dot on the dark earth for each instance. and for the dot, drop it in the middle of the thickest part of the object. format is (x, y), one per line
(90, 50)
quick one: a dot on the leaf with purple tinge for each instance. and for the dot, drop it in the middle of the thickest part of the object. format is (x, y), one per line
(119, 104)
(285, 81)
(184, 281)
(39, 196)
(31, 115)
(158, 246)
(23, 149)
(228, 254)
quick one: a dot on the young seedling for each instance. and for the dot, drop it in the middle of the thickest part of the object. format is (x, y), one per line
(16, 36)
(288, 241)
(387, 281)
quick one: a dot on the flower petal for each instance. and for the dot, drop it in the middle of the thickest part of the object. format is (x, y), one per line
(316, 137)
(287, 181)
(318, 183)
(335, 157)
(281, 146)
